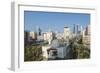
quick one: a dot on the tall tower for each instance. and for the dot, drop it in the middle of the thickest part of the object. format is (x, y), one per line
(39, 30)
(77, 28)
(81, 29)
(87, 32)
(86, 35)
(66, 32)
(74, 29)
(33, 35)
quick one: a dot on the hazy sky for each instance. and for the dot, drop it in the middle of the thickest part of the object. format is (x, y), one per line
(54, 21)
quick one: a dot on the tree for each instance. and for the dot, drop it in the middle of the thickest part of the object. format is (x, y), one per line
(33, 53)
(80, 51)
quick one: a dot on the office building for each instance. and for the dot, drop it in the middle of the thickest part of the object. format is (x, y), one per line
(67, 33)
(48, 36)
(33, 35)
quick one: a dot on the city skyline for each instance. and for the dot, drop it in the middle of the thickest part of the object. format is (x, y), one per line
(53, 21)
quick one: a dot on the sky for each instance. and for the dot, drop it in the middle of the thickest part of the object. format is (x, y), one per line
(53, 21)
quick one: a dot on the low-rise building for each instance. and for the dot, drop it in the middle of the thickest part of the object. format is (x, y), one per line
(56, 50)
(45, 52)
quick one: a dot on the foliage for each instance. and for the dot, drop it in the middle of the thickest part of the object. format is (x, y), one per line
(33, 53)
(80, 51)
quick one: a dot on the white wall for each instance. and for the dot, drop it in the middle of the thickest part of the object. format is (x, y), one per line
(5, 36)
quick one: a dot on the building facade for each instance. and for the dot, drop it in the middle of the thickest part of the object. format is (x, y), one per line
(48, 36)
(66, 33)
(33, 35)
(86, 35)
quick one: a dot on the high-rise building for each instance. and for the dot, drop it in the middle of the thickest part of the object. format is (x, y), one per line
(87, 31)
(38, 30)
(33, 35)
(26, 37)
(86, 35)
(66, 32)
(48, 36)
(76, 29)
(81, 29)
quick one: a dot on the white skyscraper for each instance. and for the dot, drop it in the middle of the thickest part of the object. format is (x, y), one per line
(33, 35)
(81, 30)
(66, 32)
